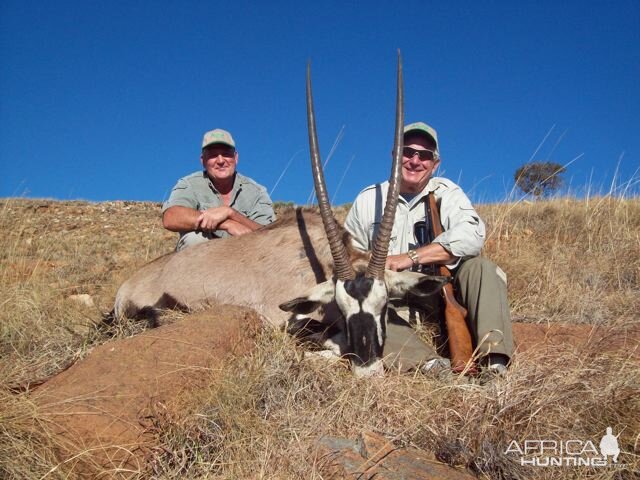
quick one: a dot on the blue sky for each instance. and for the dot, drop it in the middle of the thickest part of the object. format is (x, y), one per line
(109, 100)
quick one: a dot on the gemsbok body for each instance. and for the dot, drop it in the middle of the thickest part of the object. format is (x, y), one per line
(301, 265)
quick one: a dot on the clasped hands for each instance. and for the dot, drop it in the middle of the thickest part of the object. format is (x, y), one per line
(220, 218)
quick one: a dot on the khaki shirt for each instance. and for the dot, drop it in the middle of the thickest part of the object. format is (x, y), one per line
(247, 197)
(463, 231)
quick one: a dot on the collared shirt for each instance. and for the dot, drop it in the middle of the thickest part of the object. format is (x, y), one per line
(463, 231)
(247, 197)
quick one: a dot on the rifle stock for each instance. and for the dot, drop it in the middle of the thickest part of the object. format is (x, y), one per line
(459, 337)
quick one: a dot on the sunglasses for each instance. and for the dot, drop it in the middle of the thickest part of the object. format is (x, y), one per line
(422, 154)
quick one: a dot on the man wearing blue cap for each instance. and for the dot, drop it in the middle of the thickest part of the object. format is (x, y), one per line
(218, 201)
(479, 283)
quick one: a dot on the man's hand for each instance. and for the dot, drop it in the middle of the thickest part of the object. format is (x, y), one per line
(433, 253)
(398, 262)
(227, 219)
(184, 219)
(234, 228)
(211, 218)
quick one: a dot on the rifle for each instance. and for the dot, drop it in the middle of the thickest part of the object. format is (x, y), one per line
(459, 337)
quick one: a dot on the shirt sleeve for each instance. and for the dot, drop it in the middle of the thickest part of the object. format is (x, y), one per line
(182, 195)
(357, 225)
(262, 211)
(464, 230)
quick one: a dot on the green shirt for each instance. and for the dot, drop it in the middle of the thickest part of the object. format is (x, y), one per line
(247, 197)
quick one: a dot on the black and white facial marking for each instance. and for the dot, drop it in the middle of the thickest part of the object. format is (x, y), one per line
(363, 302)
(355, 314)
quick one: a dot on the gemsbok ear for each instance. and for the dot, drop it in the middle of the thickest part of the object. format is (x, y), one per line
(319, 295)
(401, 283)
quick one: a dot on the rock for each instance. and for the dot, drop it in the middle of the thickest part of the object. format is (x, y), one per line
(373, 456)
(83, 299)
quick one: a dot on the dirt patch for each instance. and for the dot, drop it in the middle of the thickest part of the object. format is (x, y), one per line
(588, 338)
(95, 407)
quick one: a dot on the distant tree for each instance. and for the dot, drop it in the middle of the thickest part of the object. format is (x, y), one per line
(539, 178)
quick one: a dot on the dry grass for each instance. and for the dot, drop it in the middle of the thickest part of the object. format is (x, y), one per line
(262, 419)
(50, 251)
(567, 261)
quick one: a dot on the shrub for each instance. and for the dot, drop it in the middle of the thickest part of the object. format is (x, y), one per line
(539, 178)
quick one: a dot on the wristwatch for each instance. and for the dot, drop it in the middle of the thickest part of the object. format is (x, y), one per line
(413, 255)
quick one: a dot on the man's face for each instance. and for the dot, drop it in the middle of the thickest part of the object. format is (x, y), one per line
(416, 172)
(219, 161)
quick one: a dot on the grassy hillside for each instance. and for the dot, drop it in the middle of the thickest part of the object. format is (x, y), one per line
(567, 261)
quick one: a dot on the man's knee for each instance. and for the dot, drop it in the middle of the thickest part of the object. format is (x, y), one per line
(481, 268)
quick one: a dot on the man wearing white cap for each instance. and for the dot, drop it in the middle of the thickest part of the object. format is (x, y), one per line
(480, 284)
(218, 201)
